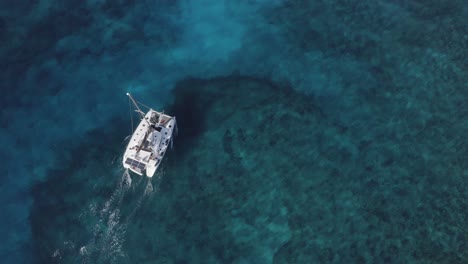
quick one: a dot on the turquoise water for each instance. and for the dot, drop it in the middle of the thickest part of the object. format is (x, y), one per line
(325, 132)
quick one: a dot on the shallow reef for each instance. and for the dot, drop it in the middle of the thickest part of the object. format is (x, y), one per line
(310, 131)
(264, 174)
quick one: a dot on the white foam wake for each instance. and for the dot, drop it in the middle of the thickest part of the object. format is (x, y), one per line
(109, 230)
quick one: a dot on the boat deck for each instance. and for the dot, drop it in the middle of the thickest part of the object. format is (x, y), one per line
(149, 142)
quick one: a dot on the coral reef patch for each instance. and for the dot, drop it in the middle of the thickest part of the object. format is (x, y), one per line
(264, 174)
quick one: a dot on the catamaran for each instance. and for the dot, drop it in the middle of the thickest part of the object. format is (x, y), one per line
(149, 141)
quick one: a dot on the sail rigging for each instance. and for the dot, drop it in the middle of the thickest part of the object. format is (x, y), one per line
(149, 140)
(141, 113)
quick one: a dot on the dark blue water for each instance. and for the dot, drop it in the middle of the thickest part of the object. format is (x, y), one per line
(321, 132)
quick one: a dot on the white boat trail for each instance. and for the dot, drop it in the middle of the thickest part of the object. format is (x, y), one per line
(108, 234)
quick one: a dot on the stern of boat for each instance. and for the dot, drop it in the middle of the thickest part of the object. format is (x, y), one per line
(150, 170)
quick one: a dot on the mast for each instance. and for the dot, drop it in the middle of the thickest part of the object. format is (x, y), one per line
(142, 114)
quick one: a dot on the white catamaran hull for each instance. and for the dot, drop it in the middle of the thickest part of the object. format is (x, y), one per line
(149, 143)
